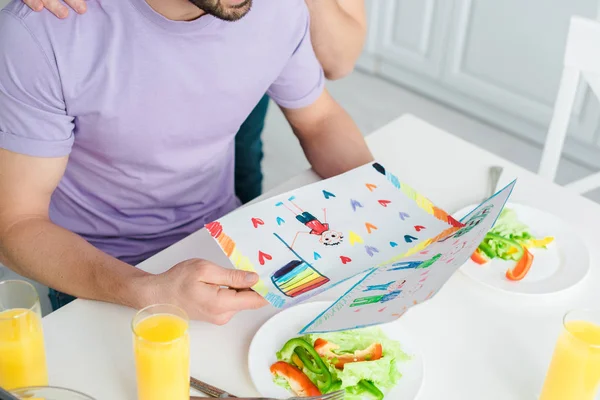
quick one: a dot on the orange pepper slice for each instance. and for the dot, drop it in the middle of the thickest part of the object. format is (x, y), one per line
(300, 383)
(522, 268)
(479, 258)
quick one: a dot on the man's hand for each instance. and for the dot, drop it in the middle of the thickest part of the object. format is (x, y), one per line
(56, 7)
(204, 290)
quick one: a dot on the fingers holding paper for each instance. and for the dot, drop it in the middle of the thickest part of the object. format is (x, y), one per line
(206, 291)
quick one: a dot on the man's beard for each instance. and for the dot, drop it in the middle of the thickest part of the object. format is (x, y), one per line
(226, 13)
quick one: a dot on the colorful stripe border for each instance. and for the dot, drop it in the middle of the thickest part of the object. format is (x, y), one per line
(235, 256)
(425, 204)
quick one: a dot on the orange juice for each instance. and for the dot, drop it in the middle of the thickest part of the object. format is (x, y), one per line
(575, 367)
(22, 355)
(162, 357)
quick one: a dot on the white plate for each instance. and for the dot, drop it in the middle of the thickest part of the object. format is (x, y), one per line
(271, 337)
(562, 265)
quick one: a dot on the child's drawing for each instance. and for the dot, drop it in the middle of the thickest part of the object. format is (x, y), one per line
(383, 286)
(405, 265)
(414, 264)
(473, 221)
(398, 285)
(297, 276)
(327, 236)
(430, 262)
(417, 278)
(377, 225)
(382, 298)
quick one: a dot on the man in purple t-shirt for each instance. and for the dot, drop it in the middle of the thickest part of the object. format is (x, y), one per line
(116, 138)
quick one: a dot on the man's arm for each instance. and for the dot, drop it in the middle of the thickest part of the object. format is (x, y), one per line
(36, 135)
(33, 246)
(338, 30)
(330, 139)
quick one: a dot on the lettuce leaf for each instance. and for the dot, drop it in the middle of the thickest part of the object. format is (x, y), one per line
(383, 372)
(281, 381)
(509, 226)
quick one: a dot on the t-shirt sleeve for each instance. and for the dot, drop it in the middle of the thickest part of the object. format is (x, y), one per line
(33, 115)
(302, 79)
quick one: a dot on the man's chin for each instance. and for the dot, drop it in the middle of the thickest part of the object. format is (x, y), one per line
(226, 11)
(236, 11)
(241, 4)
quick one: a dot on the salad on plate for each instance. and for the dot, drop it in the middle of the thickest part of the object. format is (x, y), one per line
(364, 362)
(510, 239)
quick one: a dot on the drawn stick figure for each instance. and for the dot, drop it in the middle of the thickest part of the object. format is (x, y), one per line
(384, 286)
(327, 236)
(430, 262)
(405, 265)
(383, 298)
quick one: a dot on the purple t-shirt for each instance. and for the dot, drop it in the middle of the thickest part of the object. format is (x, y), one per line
(147, 108)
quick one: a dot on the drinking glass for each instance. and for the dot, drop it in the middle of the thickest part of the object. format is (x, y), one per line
(574, 371)
(49, 393)
(22, 353)
(162, 353)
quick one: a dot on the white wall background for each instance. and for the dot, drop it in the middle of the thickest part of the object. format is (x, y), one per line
(3, 3)
(498, 61)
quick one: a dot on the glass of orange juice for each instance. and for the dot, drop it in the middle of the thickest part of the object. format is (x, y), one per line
(574, 371)
(22, 353)
(162, 353)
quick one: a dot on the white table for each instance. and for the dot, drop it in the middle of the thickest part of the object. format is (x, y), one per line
(477, 343)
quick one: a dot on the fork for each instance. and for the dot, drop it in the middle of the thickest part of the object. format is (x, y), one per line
(495, 172)
(339, 395)
(215, 392)
(209, 389)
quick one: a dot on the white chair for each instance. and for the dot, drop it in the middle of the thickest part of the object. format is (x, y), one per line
(582, 60)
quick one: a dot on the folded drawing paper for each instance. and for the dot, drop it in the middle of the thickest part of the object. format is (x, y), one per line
(308, 240)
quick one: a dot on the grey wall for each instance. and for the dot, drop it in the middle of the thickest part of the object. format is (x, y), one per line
(3, 3)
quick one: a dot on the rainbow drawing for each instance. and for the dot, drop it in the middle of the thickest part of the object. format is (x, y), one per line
(297, 277)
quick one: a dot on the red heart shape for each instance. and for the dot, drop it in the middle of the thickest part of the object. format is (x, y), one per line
(384, 202)
(262, 256)
(214, 228)
(419, 228)
(257, 221)
(345, 260)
